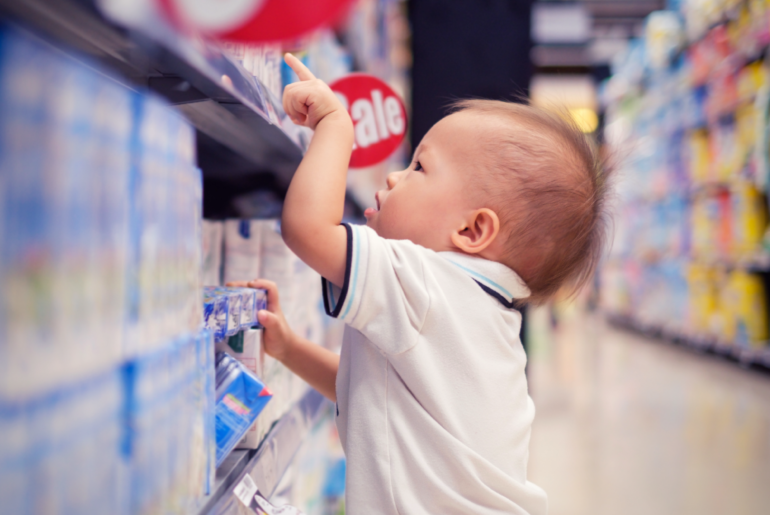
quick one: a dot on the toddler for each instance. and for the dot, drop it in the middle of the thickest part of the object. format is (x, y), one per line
(502, 204)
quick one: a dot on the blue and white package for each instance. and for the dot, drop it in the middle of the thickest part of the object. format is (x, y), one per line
(215, 313)
(241, 396)
(60, 452)
(252, 301)
(167, 445)
(232, 304)
(207, 393)
(228, 310)
(249, 307)
(234, 312)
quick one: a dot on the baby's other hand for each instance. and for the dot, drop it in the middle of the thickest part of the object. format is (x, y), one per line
(277, 336)
(310, 100)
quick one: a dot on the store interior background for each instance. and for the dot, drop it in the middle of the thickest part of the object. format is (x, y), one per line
(652, 385)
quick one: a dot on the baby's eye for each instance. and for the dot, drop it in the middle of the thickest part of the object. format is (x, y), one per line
(417, 166)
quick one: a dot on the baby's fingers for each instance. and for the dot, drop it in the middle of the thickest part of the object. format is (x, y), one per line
(300, 69)
(294, 104)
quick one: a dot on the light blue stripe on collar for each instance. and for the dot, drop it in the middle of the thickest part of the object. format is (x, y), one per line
(495, 276)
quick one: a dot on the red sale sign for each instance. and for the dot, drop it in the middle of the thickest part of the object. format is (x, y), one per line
(379, 117)
(253, 21)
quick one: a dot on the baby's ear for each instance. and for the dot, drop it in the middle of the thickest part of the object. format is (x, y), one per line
(478, 231)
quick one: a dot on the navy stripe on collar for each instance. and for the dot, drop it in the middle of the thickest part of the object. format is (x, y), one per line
(508, 304)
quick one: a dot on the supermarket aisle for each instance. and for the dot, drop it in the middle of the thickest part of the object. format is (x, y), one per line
(631, 426)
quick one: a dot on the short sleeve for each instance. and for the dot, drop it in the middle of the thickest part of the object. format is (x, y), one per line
(384, 294)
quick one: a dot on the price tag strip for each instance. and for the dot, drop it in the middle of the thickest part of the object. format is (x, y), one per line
(248, 493)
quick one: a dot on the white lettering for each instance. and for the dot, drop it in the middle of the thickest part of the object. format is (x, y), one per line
(366, 128)
(393, 116)
(379, 115)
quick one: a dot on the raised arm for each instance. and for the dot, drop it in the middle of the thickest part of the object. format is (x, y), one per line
(314, 204)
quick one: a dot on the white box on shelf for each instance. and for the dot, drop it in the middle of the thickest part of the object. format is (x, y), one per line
(243, 250)
(279, 264)
(213, 235)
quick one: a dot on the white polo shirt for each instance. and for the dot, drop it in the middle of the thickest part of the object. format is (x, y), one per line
(432, 404)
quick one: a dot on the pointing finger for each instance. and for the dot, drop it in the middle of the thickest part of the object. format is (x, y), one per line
(300, 69)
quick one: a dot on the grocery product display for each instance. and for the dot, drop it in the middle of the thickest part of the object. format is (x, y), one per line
(227, 310)
(241, 396)
(687, 121)
(105, 394)
(132, 379)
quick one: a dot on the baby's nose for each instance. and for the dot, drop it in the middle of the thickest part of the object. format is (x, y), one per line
(393, 178)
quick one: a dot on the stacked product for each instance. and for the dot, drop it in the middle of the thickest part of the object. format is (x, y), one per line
(169, 415)
(687, 111)
(106, 394)
(241, 397)
(227, 311)
(255, 249)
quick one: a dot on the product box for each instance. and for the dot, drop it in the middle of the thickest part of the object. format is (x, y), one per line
(241, 396)
(280, 264)
(243, 244)
(246, 347)
(213, 240)
(229, 310)
(252, 300)
(215, 313)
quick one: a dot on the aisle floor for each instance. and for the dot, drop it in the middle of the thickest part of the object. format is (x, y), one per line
(627, 425)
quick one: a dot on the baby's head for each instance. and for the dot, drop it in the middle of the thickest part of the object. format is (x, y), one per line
(507, 182)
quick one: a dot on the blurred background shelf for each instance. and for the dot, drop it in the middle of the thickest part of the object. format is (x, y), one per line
(745, 356)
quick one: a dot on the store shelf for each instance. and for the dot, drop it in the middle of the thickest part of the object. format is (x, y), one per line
(235, 117)
(267, 464)
(744, 356)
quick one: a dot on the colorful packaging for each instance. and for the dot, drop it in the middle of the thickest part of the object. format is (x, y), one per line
(246, 347)
(746, 298)
(749, 213)
(241, 396)
(699, 156)
(215, 313)
(228, 310)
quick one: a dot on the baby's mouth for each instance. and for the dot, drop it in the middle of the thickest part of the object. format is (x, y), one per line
(370, 211)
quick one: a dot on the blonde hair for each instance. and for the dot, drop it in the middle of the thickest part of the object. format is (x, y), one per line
(549, 187)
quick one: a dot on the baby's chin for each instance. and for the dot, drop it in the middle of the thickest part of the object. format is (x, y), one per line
(393, 232)
(372, 221)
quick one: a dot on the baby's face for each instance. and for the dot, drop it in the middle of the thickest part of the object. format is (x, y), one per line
(427, 202)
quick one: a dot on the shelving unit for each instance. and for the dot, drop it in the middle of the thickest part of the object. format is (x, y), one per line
(740, 355)
(241, 132)
(687, 116)
(235, 131)
(243, 143)
(267, 464)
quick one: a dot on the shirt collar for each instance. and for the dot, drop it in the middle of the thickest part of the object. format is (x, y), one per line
(495, 278)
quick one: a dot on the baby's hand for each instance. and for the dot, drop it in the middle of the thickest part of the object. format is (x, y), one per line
(278, 335)
(310, 100)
